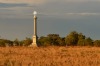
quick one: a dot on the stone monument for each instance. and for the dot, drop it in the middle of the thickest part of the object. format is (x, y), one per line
(34, 44)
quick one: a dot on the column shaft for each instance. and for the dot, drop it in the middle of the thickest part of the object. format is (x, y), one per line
(35, 25)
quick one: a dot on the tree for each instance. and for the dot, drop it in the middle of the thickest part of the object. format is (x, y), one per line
(16, 42)
(61, 42)
(81, 40)
(27, 41)
(53, 39)
(44, 41)
(96, 43)
(4, 42)
(72, 39)
(81, 36)
(8, 42)
(88, 42)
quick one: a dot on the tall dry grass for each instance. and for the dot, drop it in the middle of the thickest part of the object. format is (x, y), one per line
(50, 56)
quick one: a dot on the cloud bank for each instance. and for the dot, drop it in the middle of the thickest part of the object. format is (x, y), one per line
(24, 1)
(82, 0)
(43, 1)
(84, 14)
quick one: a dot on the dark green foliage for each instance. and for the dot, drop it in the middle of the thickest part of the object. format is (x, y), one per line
(78, 39)
(26, 42)
(96, 43)
(81, 36)
(88, 42)
(72, 39)
(81, 40)
(44, 41)
(62, 42)
(4, 42)
(52, 39)
(16, 42)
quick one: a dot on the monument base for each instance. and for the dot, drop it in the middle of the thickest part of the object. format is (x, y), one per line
(34, 44)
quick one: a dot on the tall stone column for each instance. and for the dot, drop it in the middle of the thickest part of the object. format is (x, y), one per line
(34, 44)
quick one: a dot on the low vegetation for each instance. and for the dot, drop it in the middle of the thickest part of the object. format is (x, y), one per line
(49, 56)
(72, 39)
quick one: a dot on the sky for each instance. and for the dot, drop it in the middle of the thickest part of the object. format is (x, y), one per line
(54, 17)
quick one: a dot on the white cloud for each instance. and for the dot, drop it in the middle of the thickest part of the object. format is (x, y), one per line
(83, 14)
(44, 1)
(82, 0)
(80, 14)
(24, 1)
(16, 12)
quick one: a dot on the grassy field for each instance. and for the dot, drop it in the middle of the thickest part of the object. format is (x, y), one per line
(50, 56)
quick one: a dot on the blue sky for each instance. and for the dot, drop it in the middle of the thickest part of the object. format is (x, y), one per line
(54, 16)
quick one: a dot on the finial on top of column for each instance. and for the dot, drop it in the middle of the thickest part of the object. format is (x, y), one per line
(34, 13)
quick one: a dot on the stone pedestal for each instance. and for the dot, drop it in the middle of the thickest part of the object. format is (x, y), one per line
(34, 44)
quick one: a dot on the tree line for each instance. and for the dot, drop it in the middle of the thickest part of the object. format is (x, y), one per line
(72, 39)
